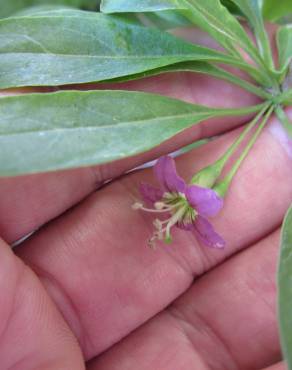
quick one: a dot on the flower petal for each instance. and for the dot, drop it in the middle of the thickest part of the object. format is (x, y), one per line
(206, 234)
(169, 180)
(204, 200)
(150, 193)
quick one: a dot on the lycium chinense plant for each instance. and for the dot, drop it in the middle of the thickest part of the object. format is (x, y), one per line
(50, 47)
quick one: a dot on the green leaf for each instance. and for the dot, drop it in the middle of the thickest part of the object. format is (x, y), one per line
(285, 289)
(70, 46)
(9, 7)
(284, 43)
(253, 12)
(211, 16)
(273, 10)
(44, 132)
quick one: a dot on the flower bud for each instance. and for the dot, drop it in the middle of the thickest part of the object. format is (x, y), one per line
(207, 176)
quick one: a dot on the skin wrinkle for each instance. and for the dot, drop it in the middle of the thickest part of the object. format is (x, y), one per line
(20, 273)
(185, 337)
(250, 284)
(183, 326)
(199, 259)
(152, 350)
(68, 310)
(190, 331)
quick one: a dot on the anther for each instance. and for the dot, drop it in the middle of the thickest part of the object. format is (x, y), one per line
(159, 205)
(137, 206)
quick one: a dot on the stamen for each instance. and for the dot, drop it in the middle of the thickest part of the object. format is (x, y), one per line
(139, 206)
(174, 219)
(177, 216)
(178, 209)
(163, 206)
(159, 205)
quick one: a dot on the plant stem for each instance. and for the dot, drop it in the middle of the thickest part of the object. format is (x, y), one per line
(208, 176)
(223, 186)
(242, 136)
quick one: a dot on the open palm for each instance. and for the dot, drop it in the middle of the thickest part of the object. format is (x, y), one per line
(85, 291)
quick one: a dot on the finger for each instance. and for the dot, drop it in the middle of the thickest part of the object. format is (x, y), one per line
(30, 201)
(33, 335)
(95, 263)
(225, 321)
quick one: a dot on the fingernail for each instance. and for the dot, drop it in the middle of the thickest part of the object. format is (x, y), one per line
(281, 136)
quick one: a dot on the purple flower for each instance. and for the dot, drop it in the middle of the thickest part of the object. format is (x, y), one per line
(186, 206)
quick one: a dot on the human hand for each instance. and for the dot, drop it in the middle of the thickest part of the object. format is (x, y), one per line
(88, 280)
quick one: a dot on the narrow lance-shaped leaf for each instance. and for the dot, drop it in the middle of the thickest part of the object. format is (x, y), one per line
(43, 132)
(70, 46)
(253, 12)
(285, 289)
(209, 15)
